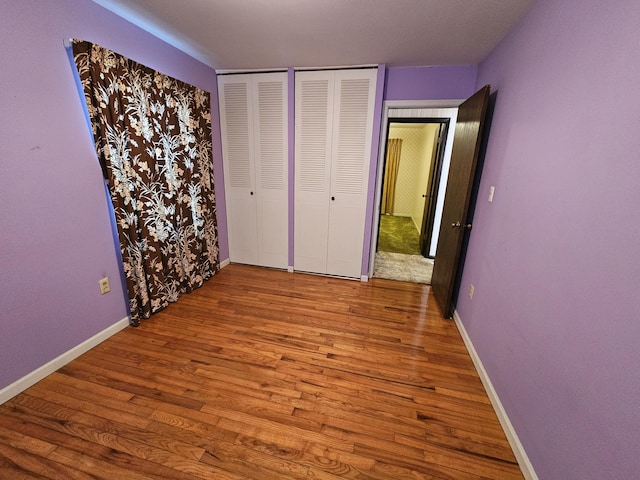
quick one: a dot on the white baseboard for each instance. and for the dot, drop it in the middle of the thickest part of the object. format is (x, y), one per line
(224, 263)
(290, 269)
(25, 382)
(518, 450)
(364, 278)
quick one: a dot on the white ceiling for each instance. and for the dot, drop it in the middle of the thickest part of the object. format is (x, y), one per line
(264, 34)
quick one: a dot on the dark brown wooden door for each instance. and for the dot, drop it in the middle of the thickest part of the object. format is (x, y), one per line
(464, 156)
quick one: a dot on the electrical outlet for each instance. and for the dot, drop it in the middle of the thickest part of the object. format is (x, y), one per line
(471, 290)
(104, 285)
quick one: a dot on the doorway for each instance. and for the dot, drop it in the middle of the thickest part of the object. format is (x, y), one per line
(412, 171)
(414, 155)
(409, 206)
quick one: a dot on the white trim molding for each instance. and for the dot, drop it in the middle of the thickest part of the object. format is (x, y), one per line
(518, 450)
(224, 263)
(30, 379)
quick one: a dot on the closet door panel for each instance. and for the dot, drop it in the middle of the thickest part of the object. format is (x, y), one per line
(237, 144)
(242, 230)
(310, 245)
(272, 238)
(271, 160)
(345, 238)
(313, 118)
(351, 153)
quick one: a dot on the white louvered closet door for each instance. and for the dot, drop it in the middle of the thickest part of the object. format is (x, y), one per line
(253, 113)
(351, 154)
(334, 122)
(272, 184)
(238, 160)
(313, 118)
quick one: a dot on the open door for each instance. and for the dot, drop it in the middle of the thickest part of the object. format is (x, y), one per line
(464, 156)
(429, 215)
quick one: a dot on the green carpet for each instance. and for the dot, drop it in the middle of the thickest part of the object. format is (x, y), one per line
(398, 235)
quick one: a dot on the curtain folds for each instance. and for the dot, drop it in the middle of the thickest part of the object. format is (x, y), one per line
(392, 164)
(153, 139)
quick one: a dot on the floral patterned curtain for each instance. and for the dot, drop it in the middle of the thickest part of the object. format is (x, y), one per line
(153, 138)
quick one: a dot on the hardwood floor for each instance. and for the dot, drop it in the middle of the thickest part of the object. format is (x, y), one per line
(266, 375)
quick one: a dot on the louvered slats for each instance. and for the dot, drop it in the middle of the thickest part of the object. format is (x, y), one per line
(312, 159)
(271, 128)
(351, 160)
(237, 135)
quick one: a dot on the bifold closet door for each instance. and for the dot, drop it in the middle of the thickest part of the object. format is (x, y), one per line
(253, 113)
(313, 118)
(271, 135)
(239, 166)
(351, 156)
(334, 122)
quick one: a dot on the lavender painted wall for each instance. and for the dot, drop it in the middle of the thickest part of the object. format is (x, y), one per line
(554, 259)
(55, 236)
(430, 83)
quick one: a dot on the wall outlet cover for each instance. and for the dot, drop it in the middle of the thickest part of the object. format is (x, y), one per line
(104, 285)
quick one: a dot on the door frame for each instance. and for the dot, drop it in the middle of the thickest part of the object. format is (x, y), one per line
(412, 109)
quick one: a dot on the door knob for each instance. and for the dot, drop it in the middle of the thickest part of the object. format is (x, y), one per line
(461, 225)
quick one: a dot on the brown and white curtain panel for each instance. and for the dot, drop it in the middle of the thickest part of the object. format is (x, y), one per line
(392, 164)
(153, 139)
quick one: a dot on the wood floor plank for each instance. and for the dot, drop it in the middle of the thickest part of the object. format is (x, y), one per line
(25, 442)
(264, 374)
(18, 464)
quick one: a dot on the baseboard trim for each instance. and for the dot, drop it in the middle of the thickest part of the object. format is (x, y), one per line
(364, 278)
(518, 450)
(28, 380)
(290, 269)
(224, 263)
